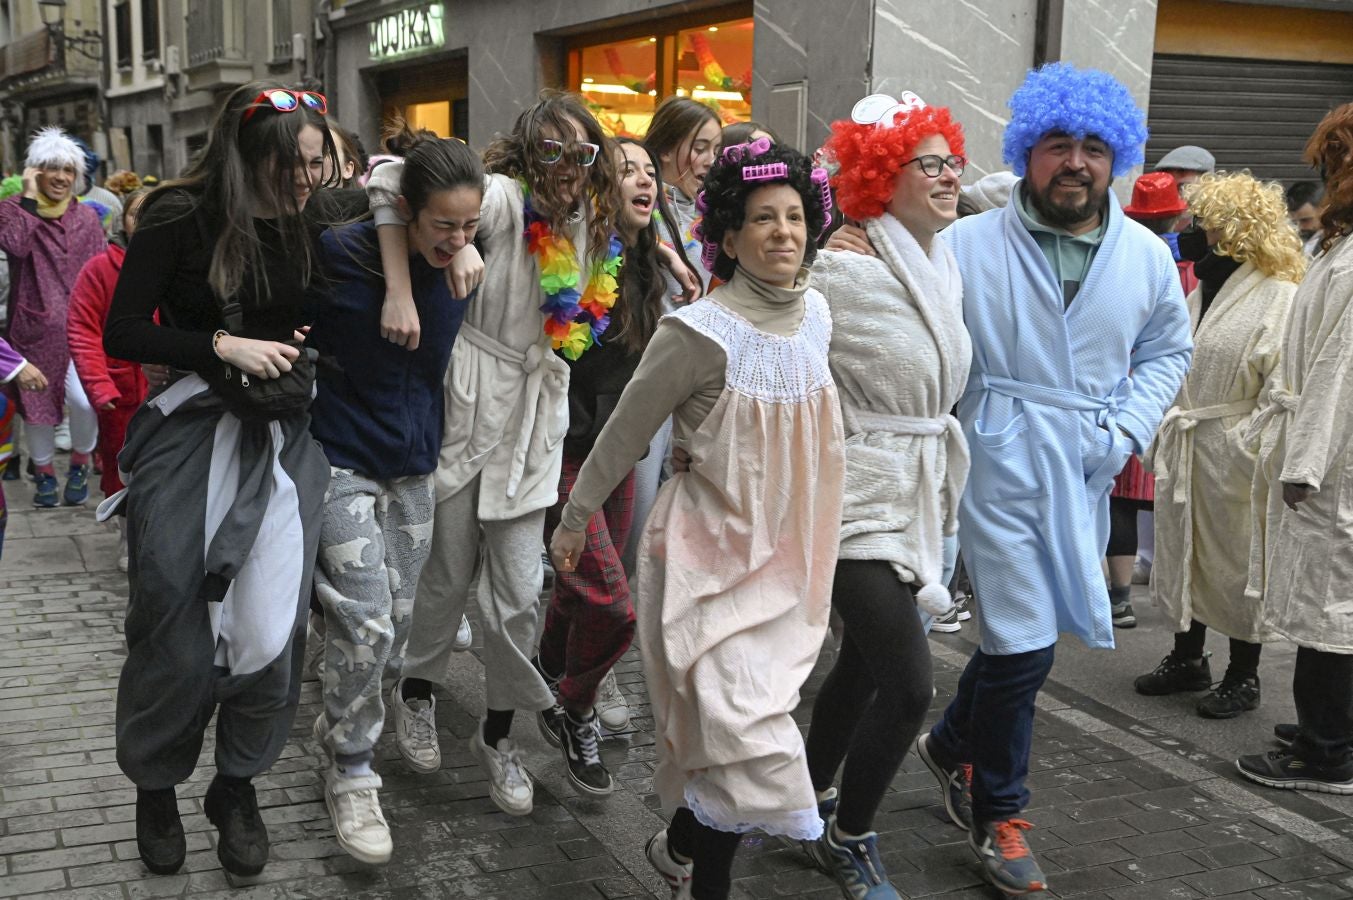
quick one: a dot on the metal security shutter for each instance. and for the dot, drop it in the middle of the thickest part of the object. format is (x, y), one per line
(1251, 114)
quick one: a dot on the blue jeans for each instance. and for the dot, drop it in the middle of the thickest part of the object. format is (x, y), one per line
(990, 723)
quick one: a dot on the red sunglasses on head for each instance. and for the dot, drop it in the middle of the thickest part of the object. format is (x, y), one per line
(286, 101)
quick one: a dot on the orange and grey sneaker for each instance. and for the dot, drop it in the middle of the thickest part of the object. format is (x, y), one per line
(1008, 862)
(955, 780)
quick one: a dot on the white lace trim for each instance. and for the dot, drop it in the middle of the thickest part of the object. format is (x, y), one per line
(799, 824)
(778, 369)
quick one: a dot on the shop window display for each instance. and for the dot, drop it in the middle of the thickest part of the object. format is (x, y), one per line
(623, 82)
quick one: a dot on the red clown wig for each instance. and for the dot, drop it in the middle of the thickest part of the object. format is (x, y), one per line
(870, 156)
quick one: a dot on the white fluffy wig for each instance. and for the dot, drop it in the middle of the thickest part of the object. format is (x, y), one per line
(53, 147)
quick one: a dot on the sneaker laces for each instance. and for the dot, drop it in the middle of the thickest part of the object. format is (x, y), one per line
(864, 852)
(1010, 838)
(514, 769)
(1229, 687)
(586, 734)
(422, 723)
(609, 693)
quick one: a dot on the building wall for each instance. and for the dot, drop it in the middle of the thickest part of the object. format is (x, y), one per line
(1251, 31)
(964, 56)
(791, 46)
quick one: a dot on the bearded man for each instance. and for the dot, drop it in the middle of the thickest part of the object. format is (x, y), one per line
(1062, 295)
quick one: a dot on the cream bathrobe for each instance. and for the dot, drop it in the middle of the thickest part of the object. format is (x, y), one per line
(1307, 438)
(900, 358)
(1205, 470)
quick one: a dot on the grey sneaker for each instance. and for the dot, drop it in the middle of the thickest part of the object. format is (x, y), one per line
(1123, 616)
(416, 730)
(1007, 861)
(510, 785)
(955, 782)
(612, 706)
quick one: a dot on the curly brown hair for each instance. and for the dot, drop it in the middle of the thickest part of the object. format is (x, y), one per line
(517, 155)
(1330, 150)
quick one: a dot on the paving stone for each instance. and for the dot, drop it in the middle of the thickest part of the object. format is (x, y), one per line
(1228, 881)
(1300, 868)
(1168, 889)
(1154, 868)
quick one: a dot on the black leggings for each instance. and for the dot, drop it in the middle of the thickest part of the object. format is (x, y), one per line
(711, 851)
(1123, 525)
(1244, 655)
(871, 706)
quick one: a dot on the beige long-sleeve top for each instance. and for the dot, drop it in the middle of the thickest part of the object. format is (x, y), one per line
(681, 375)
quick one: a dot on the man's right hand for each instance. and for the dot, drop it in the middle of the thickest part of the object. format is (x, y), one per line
(851, 239)
(30, 181)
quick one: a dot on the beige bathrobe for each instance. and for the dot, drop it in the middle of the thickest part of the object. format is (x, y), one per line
(1205, 469)
(1307, 568)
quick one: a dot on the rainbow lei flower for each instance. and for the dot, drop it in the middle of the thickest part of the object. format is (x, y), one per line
(573, 321)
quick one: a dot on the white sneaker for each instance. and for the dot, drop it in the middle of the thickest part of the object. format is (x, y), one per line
(416, 730)
(355, 808)
(612, 708)
(312, 668)
(319, 732)
(1141, 571)
(510, 784)
(677, 876)
(63, 436)
(464, 636)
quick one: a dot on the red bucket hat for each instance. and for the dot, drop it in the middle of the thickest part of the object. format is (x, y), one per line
(1155, 195)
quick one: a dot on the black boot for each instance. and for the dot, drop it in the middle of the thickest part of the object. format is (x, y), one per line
(232, 807)
(159, 831)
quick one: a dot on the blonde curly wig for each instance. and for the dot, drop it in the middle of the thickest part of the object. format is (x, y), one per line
(1252, 218)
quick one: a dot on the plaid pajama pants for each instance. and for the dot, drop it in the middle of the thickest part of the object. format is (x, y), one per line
(590, 622)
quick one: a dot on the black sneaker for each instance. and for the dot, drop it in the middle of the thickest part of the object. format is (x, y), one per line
(947, 623)
(159, 831)
(1285, 770)
(1174, 675)
(582, 757)
(1230, 698)
(1286, 732)
(242, 843)
(1123, 616)
(955, 782)
(549, 721)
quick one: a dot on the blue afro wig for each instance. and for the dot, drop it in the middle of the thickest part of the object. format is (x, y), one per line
(1060, 97)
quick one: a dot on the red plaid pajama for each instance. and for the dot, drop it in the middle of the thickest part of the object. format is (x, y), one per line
(590, 622)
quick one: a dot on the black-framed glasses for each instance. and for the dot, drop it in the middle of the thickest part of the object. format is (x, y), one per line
(933, 164)
(286, 101)
(580, 153)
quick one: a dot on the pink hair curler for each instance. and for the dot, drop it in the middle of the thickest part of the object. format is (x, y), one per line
(823, 181)
(767, 172)
(744, 151)
(700, 202)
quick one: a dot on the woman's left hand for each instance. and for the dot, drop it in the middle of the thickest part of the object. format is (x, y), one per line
(566, 548)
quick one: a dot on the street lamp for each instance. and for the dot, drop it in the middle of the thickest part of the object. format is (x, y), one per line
(53, 14)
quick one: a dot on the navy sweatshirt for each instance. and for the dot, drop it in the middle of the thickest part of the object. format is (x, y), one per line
(379, 412)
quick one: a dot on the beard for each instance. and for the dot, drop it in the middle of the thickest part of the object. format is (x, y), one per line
(1066, 215)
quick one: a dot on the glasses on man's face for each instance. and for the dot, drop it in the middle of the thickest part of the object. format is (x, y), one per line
(286, 101)
(933, 165)
(580, 153)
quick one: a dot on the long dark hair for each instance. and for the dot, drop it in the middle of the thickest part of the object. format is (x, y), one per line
(1329, 150)
(431, 163)
(674, 125)
(518, 156)
(643, 286)
(226, 178)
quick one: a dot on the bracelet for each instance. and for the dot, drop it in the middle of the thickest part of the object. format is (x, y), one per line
(216, 342)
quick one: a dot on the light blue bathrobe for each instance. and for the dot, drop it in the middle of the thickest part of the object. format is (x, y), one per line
(1046, 399)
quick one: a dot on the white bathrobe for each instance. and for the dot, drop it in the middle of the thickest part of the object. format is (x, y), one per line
(899, 356)
(1307, 568)
(1205, 469)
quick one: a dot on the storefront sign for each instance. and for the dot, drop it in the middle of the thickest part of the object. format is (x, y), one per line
(408, 32)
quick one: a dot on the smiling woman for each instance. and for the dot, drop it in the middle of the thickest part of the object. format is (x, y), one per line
(744, 375)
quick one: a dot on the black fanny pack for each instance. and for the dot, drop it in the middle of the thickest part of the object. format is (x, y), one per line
(263, 399)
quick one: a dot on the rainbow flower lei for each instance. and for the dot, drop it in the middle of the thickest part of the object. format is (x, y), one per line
(574, 321)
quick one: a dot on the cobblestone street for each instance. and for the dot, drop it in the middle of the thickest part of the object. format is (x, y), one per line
(1122, 809)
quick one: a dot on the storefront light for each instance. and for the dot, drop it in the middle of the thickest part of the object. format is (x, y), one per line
(715, 95)
(591, 87)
